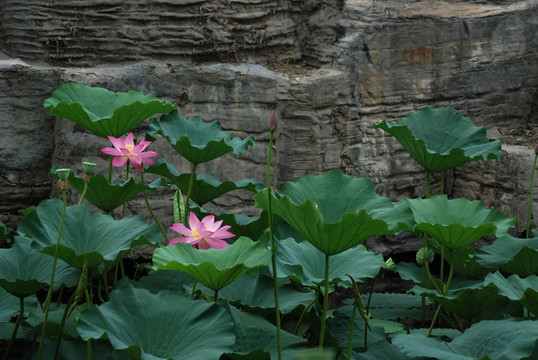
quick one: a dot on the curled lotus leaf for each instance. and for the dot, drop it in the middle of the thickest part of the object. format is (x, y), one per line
(456, 223)
(94, 234)
(441, 139)
(205, 187)
(214, 268)
(104, 112)
(334, 211)
(107, 196)
(159, 326)
(196, 140)
(524, 290)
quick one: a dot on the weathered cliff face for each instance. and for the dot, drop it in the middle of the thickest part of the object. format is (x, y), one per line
(331, 69)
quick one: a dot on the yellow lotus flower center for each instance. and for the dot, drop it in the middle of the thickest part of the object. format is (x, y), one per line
(129, 147)
(195, 233)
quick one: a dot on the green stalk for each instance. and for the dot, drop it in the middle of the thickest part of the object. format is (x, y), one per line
(530, 197)
(450, 274)
(49, 293)
(350, 336)
(442, 265)
(325, 304)
(273, 247)
(189, 191)
(193, 288)
(110, 170)
(83, 193)
(126, 178)
(148, 205)
(20, 318)
(425, 244)
(303, 313)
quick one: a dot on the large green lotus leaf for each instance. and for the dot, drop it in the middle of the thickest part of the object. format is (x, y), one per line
(214, 268)
(10, 305)
(104, 112)
(159, 326)
(107, 196)
(333, 211)
(465, 264)
(205, 187)
(24, 271)
(468, 304)
(338, 326)
(256, 293)
(457, 223)
(514, 255)
(440, 139)
(397, 306)
(84, 233)
(515, 288)
(304, 264)
(155, 281)
(195, 140)
(506, 339)
(256, 338)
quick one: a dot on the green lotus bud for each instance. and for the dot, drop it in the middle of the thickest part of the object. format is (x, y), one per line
(425, 254)
(390, 265)
(89, 167)
(63, 174)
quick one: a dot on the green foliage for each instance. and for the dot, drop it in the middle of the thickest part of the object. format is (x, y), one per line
(507, 339)
(215, 268)
(515, 288)
(96, 235)
(458, 222)
(195, 140)
(107, 196)
(206, 187)
(441, 139)
(309, 206)
(104, 112)
(159, 326)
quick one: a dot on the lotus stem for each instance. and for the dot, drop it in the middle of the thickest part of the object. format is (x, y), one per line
(350, 336)
(148, 205)
(68, 309)
(49, 293)
(83, 193)
(325, 304)
(529, 211)
(450, 274)
(126, 178)
(273, 247)
(425, 244)
(16, 328)
(303, 313)
(110, 170)
(189, 192)
(193, 288)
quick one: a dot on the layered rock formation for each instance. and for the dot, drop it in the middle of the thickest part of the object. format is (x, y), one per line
(331, 69)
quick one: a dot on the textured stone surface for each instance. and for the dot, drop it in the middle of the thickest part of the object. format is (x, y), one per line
(331, 70)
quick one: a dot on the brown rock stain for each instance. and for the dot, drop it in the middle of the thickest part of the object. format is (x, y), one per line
(424, 55)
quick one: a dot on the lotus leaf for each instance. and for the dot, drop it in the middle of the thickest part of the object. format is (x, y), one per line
(25, 271)
(514, 255)
(467, 303)
(335, 212)
(195, 140)
(459, 222)
(205, 187)
(159, 326)
(304, 264)
(255, 338)
(85, 233)
(257, 294)
(104, 112)
(214, 268)
(506, 339)
(515, 288)
(107, 196)
(441, 139)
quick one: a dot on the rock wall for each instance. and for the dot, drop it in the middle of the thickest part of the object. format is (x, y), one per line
(331, 69)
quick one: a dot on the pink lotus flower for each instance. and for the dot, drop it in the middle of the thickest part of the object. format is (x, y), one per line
(126, 150)
(203, 234)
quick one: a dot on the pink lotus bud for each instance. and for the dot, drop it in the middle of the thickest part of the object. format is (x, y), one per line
(272, 122)
(536, 149)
